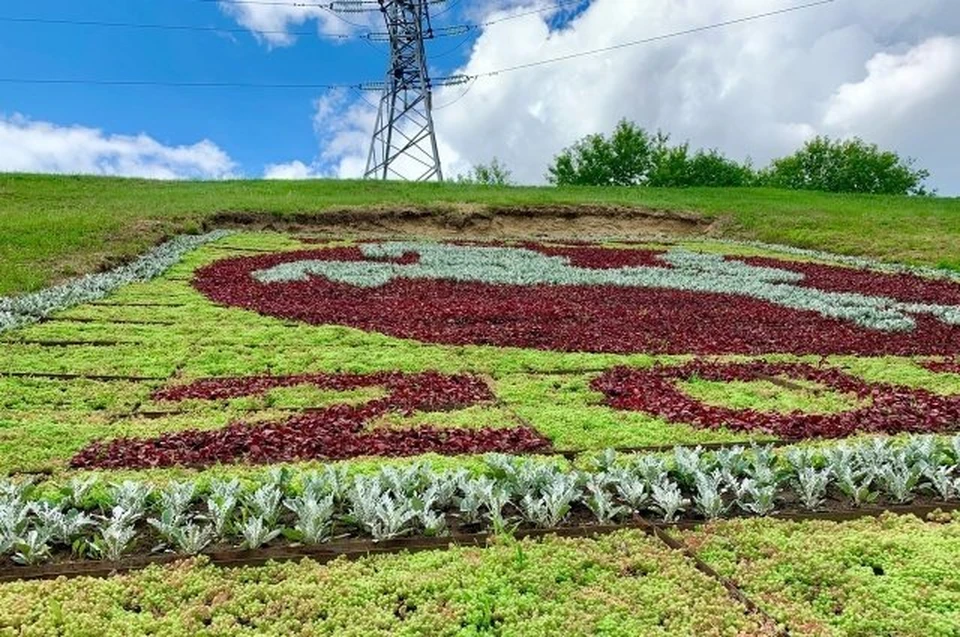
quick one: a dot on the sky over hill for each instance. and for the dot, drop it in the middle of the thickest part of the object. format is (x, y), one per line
(886, 70)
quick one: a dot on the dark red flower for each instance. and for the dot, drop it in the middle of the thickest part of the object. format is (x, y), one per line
(336, 432)
(601, 318)
(943, 367)
(885, 408)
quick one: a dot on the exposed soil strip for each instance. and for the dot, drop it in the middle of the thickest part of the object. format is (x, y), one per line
(134, 304)
(65, 376)
(81, 319)
(46, 343)
(359, 547)
(556, 221)
(732, 589)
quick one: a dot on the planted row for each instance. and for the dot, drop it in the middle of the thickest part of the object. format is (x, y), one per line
(534, 588)
(18, 311)
(87, 520)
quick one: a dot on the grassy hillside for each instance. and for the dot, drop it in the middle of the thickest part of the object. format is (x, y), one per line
(53, 226)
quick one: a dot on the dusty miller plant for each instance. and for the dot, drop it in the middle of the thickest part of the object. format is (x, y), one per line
(812, 486)
(256, 532)
(709, 497)
(668, 500)
(314, 516)
(551, 505)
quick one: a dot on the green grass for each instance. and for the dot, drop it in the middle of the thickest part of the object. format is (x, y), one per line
(887, 576)
(56, 226)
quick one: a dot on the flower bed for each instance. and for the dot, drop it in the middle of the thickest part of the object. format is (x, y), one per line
(588, 298)
(544, 587)
(23, 310)
(86, 518)
(333, 433)
(886, 408)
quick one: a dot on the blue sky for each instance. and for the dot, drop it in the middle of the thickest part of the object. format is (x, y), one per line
(255, 127)
(884, 70)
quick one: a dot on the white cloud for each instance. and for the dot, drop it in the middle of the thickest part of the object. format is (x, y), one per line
(343, 128)
(34, 146)
(273, 22)
(896, 85)
(885, 70)
(291, 170)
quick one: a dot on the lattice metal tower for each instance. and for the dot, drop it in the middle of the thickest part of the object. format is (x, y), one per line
(404, 128)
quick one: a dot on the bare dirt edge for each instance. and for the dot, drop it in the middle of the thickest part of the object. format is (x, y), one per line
(556, 222)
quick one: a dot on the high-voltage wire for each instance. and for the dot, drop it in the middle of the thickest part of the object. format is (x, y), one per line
(434, 82)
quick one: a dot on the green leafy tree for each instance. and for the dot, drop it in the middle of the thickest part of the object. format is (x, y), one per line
(623, 159)
(495, 173)
(846, 166)
(633, 157)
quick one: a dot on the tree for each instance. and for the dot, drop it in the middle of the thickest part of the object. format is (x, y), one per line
(634, 157)
(624, 159)
(846, 166)
(493, 174)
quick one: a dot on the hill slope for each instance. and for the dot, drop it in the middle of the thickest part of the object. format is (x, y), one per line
(52, 227)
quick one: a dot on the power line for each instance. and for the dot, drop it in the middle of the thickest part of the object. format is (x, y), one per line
(170, 27)
(453, 30)
(437, 81)
(458, 98)
(178, 84)
(374, 36)
(666, 36)
(374, 6)
(514, 16)
(453, 49)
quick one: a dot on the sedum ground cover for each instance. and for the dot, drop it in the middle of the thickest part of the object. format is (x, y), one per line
(894, 575)
(622, 584)
(260, 349)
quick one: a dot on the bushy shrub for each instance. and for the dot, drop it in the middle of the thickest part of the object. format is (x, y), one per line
(631, 156)
(495, 173)
(850, 165)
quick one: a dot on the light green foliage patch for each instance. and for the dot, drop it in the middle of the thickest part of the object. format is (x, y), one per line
(624, 584)
(33, 394)
(566, 410)
(475, 417)
(292, 398)
(900, 371)
(887, 576)
(764, 395)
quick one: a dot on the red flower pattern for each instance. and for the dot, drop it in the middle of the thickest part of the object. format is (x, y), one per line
(333, 433)
(885, 408)
(605, 318)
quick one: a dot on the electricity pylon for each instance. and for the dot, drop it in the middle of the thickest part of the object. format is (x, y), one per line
(404, 128)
